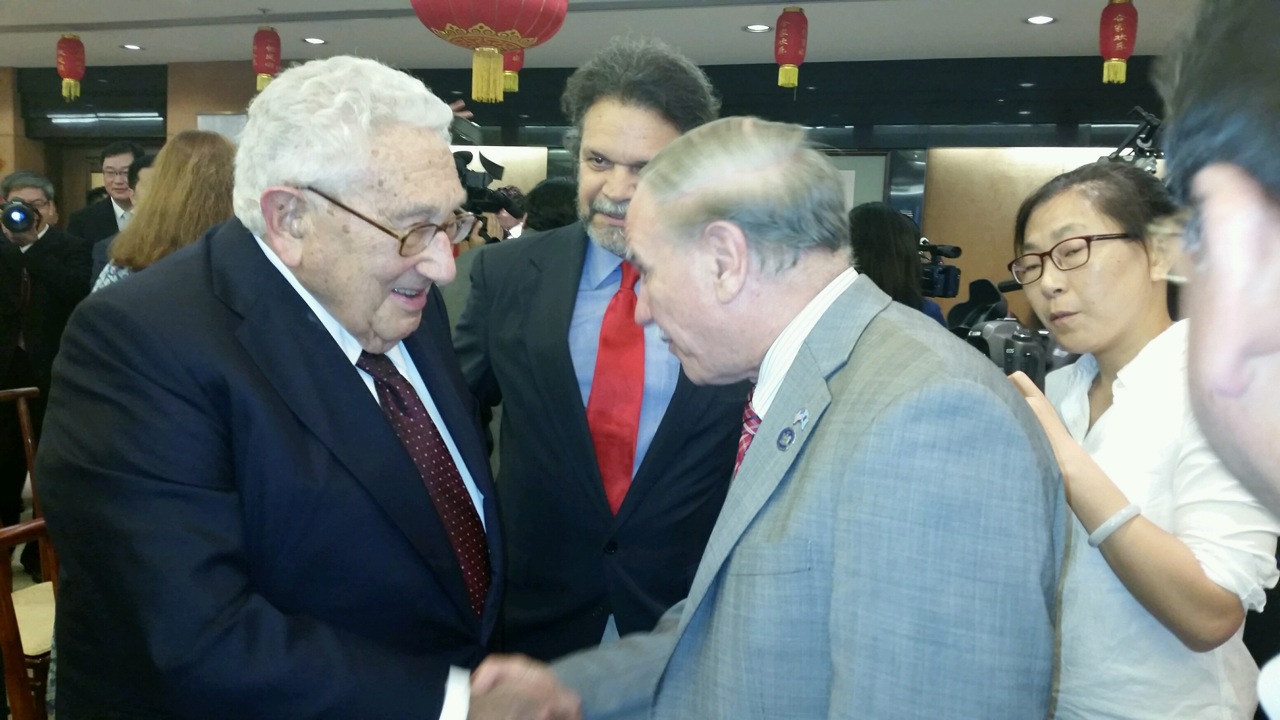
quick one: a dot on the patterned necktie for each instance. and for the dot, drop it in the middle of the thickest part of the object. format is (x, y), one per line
(422, 439)
(617, 390)
(750, 423)
(125, 217)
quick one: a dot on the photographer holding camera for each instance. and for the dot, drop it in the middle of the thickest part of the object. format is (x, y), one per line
(44, 273)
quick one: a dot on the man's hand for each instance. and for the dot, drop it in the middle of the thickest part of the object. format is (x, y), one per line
(514, 687)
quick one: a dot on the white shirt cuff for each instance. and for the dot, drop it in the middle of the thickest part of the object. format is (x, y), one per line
(457, 695)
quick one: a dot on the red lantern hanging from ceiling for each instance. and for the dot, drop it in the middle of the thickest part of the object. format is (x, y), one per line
(489, 29)
(1116, 36)
(70, 65)
(512, 64)
(790, 42)
(266, 55)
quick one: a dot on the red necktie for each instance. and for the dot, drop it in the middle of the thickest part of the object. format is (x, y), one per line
(617, 389)
(422, 439)
(750, 423)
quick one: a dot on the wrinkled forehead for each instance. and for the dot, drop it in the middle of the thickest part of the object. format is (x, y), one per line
(414, 165)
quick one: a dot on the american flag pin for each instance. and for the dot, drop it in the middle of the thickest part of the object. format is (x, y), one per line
(801, 418)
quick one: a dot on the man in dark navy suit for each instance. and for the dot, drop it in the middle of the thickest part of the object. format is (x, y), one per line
(108, 216)
(261, 469)
(613, 464)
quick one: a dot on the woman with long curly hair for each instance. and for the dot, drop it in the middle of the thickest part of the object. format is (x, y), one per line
(188, 192)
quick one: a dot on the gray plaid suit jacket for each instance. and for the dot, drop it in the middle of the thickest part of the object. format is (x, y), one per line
(899, 558)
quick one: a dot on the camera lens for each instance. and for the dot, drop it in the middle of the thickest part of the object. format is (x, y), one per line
(18, 216)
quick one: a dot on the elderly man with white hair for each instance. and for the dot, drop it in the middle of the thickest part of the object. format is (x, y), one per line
(261, 467)
(891, 542)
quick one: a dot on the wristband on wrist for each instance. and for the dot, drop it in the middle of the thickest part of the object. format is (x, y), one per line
(1113, 523)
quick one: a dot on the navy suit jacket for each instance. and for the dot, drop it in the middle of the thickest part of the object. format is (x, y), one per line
(241, 532)
(571, 562)
(94, 222)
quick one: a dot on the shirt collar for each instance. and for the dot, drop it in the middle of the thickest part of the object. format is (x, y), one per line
(346, 341)
(782, 353)
(119, 210)
(1150, 364)
(598, 267)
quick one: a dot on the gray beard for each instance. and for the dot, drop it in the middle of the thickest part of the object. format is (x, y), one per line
(613, 239)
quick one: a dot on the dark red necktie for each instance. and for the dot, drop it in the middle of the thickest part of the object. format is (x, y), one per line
(750, 423)
(617, 389)
(422, 439)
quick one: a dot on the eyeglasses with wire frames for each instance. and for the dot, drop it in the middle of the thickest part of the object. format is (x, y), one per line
(1069, 254)
(416, 238)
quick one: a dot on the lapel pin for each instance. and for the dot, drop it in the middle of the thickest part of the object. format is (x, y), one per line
(785, 438)
(801, 418)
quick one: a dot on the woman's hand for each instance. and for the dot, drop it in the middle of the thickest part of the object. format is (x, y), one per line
(1068, 452)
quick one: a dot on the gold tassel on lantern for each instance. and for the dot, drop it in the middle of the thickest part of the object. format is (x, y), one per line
(70, 90)
(486, 75)
(263, 80)
(788, 76)
(511, 81)
(1113, 71)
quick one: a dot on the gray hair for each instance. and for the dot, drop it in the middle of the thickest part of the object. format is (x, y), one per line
(645, 73)
(765, 177)
(1222, 95)
(26, 179)
(315, 125)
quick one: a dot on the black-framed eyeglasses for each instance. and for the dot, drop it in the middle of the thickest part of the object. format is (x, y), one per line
(1068, 254)
(416, 238)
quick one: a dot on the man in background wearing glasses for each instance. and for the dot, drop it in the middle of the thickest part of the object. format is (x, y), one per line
(109, 215)
(262, 470)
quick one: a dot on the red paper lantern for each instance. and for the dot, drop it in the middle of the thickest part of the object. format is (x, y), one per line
(70, 65)
(512, 64)
(489, 29)
(1116, 36)
(790, 42)
(266, 55)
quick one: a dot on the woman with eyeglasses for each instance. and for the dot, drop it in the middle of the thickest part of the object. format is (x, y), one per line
(1167, 550)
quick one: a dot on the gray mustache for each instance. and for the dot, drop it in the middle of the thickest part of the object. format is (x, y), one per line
(609, 207)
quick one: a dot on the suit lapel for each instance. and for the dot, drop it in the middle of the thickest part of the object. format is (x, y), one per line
(793, 418)
(294, 351)
(552, 289)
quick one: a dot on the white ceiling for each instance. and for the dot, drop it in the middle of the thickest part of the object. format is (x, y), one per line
(709, 31)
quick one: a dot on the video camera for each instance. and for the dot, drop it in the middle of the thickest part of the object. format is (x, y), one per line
(937, 279)
(480, 199)
(18, 216)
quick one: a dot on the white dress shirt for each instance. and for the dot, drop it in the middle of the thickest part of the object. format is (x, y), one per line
(122, 216)
(782, 353)
(457, 698)
(1117, 660)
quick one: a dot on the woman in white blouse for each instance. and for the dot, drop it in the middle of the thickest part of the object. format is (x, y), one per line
(1167, 551)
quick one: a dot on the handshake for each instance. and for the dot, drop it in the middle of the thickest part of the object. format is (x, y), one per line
(515, 687)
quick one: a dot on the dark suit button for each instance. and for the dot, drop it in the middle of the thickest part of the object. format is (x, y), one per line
(610, 547)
